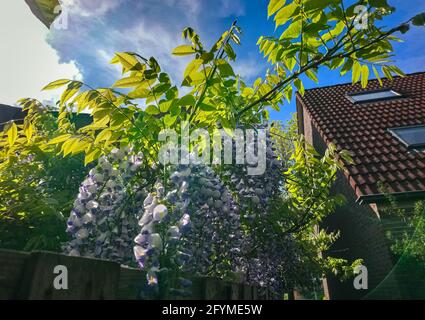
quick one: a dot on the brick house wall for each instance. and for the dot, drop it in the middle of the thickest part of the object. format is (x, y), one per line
(362, 235)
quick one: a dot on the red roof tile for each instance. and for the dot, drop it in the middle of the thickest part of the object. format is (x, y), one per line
(362, 129)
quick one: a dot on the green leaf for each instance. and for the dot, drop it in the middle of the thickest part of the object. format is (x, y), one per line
(235, 38)
(285, 14)
(397, 71)
(128, 82)
(387, 72)
(375, 71)
(28, 130)
(193, 67)
(187, 100)
(314, 28)
(79, 145)
(378, 3)
(314, 5)
(357, 71)
(247, 92)
(365, 75)
(229, 51)
(104, 135)
(293, 31)
(288, 93)
(139, 93)
(207, 57)
(169, 120)
(274, 5)
(67, 146)
(91, 156)
(206, 107)
(152, 110)
(227, 127)
(184, 50)
(70, 91)
(12, 133)
(128, 61)
(56, 84)
(164, 78)
(45, 10)
(404, 28)
(348, 65)
(312, 75)
(225, 68)
(300, 86)
(165, 105)
(419, 20)
(59, 139)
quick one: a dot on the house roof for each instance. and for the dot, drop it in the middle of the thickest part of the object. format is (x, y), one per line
(8, 113)
(362, 129)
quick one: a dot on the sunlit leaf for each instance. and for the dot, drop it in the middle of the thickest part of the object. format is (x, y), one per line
(128, 82)
(152, 110)
(56, 84)
(274, 5)
(286, 13)
(12, 133)
(365, 75)
(184, 50)
(60, 139)
(356, 72)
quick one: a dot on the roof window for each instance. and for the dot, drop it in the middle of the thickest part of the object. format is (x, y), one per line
(372, 96)
(413, 136)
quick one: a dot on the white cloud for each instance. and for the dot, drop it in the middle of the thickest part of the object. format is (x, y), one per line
(249, 68)
(231, 8)
(27, 62)
(148, 27)
(154, 40)
(92, 8)
(114, 71)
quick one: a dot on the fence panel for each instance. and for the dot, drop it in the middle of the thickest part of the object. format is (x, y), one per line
(32, 276)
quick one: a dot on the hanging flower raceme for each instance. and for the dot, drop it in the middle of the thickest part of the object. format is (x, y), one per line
(190, 224)
(164, 222)
(103, 221)
(268, 258)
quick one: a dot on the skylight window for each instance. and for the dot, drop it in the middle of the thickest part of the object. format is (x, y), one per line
(413, 137)
(373, 96)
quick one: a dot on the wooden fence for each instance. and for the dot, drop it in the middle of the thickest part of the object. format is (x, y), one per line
(31, 276)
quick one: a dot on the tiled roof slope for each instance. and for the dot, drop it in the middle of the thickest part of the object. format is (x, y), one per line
(363, 130)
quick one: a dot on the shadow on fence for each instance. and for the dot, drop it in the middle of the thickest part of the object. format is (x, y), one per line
(31, 275)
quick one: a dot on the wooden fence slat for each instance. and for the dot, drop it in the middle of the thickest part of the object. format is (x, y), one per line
(31, 276)
(131, 283)
(215, 289)
(87, 278)
(12, 264)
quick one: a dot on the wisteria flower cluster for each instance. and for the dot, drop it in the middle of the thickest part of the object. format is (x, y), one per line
(157, 246)
(195, 220)
(268, 258)
(103, 221)
(194, 227)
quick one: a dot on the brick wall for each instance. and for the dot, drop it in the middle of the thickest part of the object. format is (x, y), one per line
(362, 236)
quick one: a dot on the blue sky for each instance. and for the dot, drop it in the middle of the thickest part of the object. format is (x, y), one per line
(98, 28)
